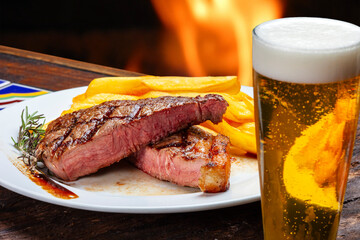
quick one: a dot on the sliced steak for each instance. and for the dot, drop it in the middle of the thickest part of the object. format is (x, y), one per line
(191, 158)
(84, 141)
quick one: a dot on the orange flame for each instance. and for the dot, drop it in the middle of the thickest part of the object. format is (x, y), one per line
(215, 35)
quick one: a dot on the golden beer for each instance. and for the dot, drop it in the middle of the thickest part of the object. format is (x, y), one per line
(306, 117)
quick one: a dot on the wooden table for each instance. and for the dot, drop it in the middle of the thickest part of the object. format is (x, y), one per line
(25, 218)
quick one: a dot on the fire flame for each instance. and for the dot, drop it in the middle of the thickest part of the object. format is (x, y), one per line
(215, 35)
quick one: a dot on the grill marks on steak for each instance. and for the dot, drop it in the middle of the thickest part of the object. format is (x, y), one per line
(84, 141)
(77, 128)
(191, 158)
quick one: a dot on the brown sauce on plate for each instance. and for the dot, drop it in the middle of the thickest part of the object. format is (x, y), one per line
(51, 187)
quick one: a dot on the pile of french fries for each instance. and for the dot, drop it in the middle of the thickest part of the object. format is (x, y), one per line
(238, 121)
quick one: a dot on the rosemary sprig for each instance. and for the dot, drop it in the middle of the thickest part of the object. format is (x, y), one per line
(30, 134)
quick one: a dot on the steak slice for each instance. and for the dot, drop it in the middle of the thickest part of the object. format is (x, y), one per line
(82, 142)
(191, 158)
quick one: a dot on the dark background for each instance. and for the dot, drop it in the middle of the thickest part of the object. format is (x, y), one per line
(109, 32)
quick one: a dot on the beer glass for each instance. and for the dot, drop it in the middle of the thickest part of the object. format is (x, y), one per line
(306, 93)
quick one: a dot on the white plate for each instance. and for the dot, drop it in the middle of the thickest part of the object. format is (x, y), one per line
(120, 188)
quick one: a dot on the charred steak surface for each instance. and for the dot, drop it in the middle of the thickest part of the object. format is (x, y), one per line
(190, 157)
(82, 142)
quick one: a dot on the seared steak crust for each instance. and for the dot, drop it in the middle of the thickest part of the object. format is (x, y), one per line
(84, 141)
(190, 157)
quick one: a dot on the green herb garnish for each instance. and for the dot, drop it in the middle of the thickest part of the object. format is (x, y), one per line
(30, 134)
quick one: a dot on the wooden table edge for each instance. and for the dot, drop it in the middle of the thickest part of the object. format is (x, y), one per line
(91, 67)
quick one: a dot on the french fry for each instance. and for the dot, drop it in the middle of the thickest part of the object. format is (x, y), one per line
(233, 150)
(103, 97)
(118, 85)
(79, 98)
(238, 109)
(243, 97)
(212, 132)
(248, 128)
(229, 84)
(154, 94)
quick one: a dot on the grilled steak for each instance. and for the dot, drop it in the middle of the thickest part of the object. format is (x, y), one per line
(84, 141)
(191, 157)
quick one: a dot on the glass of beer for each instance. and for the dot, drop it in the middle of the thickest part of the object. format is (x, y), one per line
(306, 92)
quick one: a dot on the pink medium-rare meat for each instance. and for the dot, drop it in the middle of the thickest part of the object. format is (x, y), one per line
(190, 157)
(84, 141)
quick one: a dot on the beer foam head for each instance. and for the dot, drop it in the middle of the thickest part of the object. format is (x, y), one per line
(307, 50)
